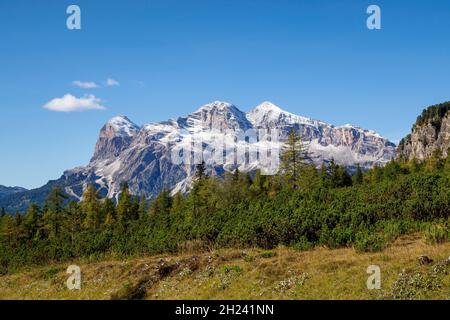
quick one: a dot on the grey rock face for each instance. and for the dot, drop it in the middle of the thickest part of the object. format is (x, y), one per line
(141, 155)
(426, 139)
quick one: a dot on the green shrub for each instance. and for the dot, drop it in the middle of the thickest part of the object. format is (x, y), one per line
(369, 242)
(51, 272)
(268, 254)
(437, 233)
(302, 244)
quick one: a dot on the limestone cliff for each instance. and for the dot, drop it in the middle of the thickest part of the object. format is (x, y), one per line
(431, 132)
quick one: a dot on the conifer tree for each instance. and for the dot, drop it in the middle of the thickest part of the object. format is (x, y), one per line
(248, 181)
(7, 231)
(162, 203)
(199, 179)
(135, 203)
(177, 203)
(323, 175)
(32, 220)
(109, 220)
(142, 210)
(358, 176)
(343, 179)
(91, 208)
(236, 175)
(338, 175)
(293, 157)
(124, 205)
(74, 221)
(53, 216)
(310, 178)
(109, 211)
(257, 185)
(200, 171)
(19, 231)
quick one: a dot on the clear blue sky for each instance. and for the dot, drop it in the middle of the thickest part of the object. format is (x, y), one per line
(314, 58)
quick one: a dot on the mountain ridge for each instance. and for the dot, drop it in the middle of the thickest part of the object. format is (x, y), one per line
(6, 191)
(142, 155)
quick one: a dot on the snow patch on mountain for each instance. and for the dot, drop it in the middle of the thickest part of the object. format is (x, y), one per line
(268, 114)
(123, 126)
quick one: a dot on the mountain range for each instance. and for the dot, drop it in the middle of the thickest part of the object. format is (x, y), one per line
(6, 191)
(142, 156)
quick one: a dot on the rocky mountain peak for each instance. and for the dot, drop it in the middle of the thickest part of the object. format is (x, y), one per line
(115, 136)
(268, 106)
(120, 126)
(430, 133)
(269, 115)
(218, 115)
(217, 106)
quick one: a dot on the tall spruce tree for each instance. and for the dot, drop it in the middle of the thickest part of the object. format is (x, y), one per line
(75, 220)
(54, 208)
(142, 210)
(199, 179)
(257, 185)
(32, 220)
(109, 211)
(20, 233)
(294, 157)
(91, 208)
(200, 171)
(124, 206)
(162, 204)
(338, 175)
(358, 176)
(178, 203)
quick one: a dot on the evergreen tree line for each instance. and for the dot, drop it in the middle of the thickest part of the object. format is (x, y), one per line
(434, 114)
(302, 207)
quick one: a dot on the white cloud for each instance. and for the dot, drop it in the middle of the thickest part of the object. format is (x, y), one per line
(112, 83)
(70, 103)
(85, 84)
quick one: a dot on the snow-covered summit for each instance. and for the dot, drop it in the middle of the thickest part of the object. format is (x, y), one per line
(268, 114)
(218, 115)
(123, 126)
(217, 105)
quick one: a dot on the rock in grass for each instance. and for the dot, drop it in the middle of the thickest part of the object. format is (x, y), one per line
(424, 260)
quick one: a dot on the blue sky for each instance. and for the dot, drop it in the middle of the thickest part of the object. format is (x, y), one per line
(313, 58)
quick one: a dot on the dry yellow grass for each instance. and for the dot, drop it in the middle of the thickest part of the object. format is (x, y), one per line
(282, 273)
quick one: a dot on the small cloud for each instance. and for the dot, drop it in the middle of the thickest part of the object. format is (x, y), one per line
(70, 103)
(85, 84)
(112, 83)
